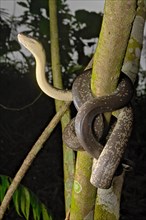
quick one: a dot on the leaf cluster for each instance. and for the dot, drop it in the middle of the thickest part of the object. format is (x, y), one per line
(24, 201)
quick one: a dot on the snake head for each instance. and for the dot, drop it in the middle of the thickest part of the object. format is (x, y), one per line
(30, 43)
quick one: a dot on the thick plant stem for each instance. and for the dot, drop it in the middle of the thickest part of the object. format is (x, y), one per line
(108, 60)
(108, 201)
(68, 154)
(111, 47)
(30, 157)
(105, 76)
(112, 44)
(83, 194)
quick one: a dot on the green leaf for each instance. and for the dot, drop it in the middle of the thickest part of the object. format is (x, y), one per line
(25, 202)
(36, 207)
(16, 200)
(3, 186)
(45, 214)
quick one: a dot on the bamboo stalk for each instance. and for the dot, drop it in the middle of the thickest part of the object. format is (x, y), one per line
(68, 154)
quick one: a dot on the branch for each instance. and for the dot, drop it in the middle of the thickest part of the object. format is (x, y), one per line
(22, 107)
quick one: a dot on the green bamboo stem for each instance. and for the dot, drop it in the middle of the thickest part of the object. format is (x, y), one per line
(83, 194)
(68, 154)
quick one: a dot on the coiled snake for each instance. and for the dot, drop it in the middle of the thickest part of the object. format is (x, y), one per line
(84, 132)
(88, 128)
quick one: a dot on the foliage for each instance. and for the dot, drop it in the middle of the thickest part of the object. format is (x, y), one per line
(6, 45)
(24, 201)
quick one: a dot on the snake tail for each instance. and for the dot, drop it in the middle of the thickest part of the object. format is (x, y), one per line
(104, 168)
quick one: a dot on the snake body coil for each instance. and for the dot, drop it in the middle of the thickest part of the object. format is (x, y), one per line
(105, 166)
(95, 106)
(81, 94)
(82, 128)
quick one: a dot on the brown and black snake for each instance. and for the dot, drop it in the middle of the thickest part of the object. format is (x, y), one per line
(85, 131)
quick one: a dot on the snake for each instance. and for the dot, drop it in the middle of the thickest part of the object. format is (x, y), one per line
(36, 49)
(86, 130)
(81, 93)
(95, 106)
(104, 167)
(80, 134)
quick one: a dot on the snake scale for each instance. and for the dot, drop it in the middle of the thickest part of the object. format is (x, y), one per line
(87, 130)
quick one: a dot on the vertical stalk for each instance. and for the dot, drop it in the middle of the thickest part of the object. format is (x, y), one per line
(68, 154)
(107, 65)
(83, 194)
(112, 44)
